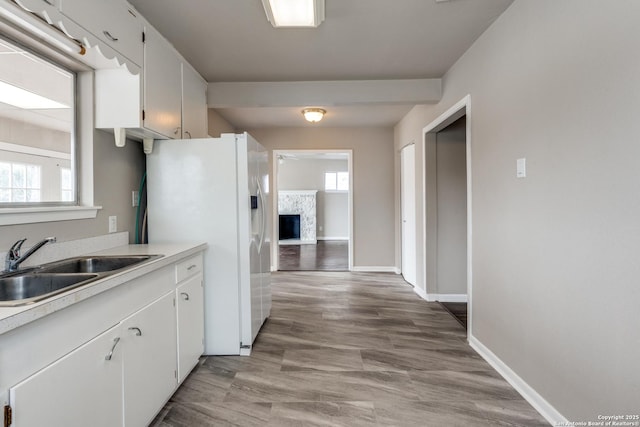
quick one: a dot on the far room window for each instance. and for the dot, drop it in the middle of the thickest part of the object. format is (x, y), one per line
(336, 181)
(37, 123)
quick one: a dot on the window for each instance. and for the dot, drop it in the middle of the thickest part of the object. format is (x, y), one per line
(336, 181)
(19, 183)
(37, 120)
(66, 185)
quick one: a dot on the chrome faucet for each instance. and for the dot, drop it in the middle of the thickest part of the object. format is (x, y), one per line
(14, 259)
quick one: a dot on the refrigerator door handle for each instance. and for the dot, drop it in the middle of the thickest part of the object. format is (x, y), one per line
(262, 215)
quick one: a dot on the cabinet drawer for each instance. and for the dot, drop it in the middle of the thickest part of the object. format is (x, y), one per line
(113, 22)
(188, 268)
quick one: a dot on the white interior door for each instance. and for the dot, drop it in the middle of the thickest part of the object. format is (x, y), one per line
(408, 207)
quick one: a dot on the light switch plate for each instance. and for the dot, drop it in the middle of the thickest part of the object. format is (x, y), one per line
(521, 168)
(113, 224)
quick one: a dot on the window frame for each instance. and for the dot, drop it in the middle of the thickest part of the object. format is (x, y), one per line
(82, 136)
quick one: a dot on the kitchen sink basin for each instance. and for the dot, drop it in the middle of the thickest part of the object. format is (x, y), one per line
(38, 283)
(94, 264)
(25, 288)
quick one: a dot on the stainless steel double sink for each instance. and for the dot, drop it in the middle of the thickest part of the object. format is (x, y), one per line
(35, 284)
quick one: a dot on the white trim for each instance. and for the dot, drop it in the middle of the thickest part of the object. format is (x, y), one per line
(12, 216)
(297, 242)
(459, 109)
(334, 238)
(551, 414)
(34, 151)
(448, 297)
(274, 207)
(421, 293)
(375, 269)
(440, 297)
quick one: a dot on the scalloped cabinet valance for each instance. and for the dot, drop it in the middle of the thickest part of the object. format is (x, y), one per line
(110, 31)
(144, 89)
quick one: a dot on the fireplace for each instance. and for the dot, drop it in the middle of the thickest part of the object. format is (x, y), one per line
(289, 227)
(297, 216)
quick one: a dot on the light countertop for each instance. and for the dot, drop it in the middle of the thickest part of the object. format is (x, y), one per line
(14, 317)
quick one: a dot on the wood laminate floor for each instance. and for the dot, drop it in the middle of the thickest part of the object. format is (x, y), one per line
(350, 349)
(326, 255)
(457, 310)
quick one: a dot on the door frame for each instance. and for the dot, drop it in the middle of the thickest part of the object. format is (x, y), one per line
(461, 109)
(275, 244)
(403, 256)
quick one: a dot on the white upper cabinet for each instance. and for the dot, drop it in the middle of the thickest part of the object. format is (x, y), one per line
(114, 22)
(162, 86)
(37, 6)
(194, 104)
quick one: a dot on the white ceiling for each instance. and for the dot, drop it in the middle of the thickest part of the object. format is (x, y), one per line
(232, 41)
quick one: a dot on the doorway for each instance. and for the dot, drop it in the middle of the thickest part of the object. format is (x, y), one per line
(312, 210)
(447, 207)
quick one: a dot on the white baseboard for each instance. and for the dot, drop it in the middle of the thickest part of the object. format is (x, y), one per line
(440, 297)
(373, 269)
(334, 238)
(297, 242)
(449, 297)
(530, 395)
(421, 293)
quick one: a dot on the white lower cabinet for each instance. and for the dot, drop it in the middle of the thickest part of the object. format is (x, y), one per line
(84, 385)
(149, 348)
(190, 297)
(122, 376)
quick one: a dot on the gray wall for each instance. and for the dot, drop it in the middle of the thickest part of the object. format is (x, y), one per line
(117, 172)
(555, 255)
(451, 201)
(217, 124)
(373, 181)
(332, 208)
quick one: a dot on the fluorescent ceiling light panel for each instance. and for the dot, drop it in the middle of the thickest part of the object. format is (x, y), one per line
(26, 100)
(294, 13)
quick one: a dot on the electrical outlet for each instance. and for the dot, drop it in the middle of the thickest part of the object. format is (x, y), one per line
(113, 224)
(135, 195)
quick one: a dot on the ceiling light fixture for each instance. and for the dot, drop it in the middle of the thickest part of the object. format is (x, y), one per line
(26, 100)
(294, 13)
(313, 115)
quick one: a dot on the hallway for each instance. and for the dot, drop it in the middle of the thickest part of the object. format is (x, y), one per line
(350, 349)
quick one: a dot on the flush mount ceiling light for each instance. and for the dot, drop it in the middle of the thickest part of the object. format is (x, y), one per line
(294, 13)
(26, 100)
(313, 115)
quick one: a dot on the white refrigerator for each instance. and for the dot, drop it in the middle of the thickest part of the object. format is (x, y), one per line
(216, 190)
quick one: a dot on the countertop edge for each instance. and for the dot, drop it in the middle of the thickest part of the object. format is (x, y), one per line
(14, 317)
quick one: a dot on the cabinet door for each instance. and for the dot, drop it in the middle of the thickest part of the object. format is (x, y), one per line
(190, 324)
(149, 360)
(82, 388)
(37, 6)
(194, 104)
(162, 86)
(114, 22)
